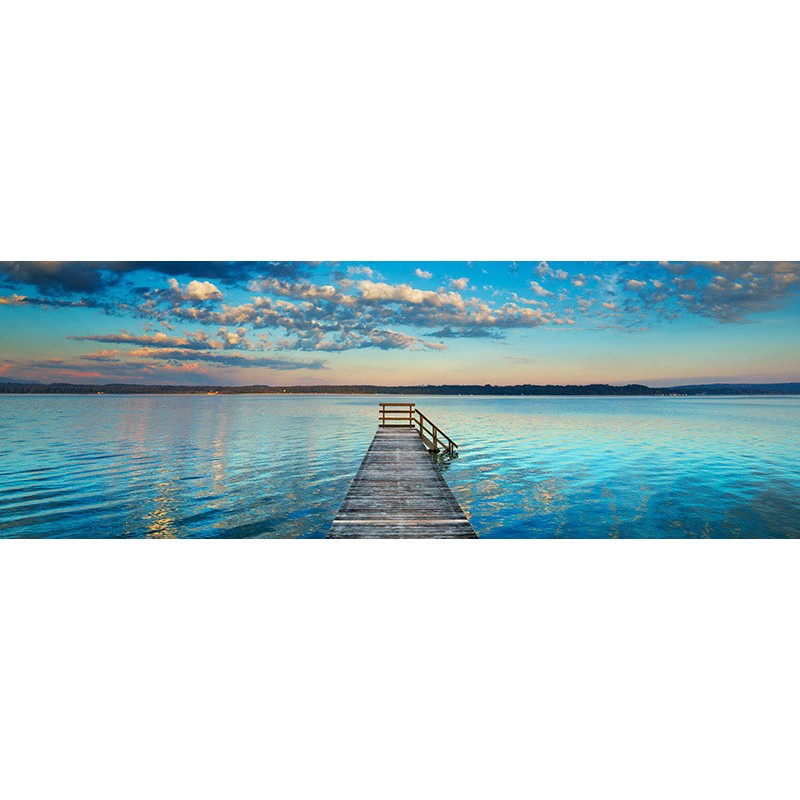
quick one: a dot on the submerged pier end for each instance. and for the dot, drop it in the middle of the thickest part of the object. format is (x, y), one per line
(398, 493)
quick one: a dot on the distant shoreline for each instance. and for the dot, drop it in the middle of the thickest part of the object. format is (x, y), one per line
(486, 390)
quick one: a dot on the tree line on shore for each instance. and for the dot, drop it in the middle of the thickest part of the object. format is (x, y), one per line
(527, 389)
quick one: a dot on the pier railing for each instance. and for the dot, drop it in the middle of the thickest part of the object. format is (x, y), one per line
(407, 415)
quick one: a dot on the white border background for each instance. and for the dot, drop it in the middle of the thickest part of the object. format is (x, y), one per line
(310, 130)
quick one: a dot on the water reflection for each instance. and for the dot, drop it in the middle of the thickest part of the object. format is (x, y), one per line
(160, 520)
(244, 466)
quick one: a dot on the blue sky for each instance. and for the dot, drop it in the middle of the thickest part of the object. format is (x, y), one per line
(288, 323)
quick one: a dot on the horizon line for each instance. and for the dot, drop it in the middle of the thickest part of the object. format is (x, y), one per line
(615, 385)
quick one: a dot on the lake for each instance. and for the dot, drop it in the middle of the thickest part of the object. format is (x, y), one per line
(232, 466)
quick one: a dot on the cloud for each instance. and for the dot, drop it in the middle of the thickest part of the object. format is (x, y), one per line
(726, 291)
(403, 293)
(356, 340)
(393, 339)
(739, 290)
(195, 347)
(367, 271)
(198, 291)
(326, 316)
(540, 290)
(199, 340)
(346, 316)
(88, 277)
(98, 371)
(51, 302)
(105, 356)
(71, 276)
(225, 359)
(358, 308)
(303, 290)
(544, 270)
(466, 333)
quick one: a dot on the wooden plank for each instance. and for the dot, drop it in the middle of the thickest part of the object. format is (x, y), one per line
(398, 493)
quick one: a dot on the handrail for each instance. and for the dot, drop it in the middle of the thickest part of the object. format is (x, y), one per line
(437, 433)
(401, 415)
(407, 415)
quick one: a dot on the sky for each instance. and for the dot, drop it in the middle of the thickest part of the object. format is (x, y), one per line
(282, 323)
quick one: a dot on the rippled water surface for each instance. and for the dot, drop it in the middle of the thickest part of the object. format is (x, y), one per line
(279, 466)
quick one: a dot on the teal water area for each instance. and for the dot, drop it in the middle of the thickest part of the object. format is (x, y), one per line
(232, 466)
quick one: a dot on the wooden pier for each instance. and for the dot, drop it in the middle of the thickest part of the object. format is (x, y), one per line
(398, 492)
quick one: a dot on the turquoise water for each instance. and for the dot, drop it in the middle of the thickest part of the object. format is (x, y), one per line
(279, 466)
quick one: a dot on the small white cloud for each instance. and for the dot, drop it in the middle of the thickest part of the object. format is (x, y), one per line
(459, 284)
(423, 273)
(544, 270)
(540, 290)
(203, 290)
(196, 290)
(635, 285)
(402, 293)
(368, 271)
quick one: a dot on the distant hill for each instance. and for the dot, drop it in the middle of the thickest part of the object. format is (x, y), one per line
(739, 388)
(8, 386)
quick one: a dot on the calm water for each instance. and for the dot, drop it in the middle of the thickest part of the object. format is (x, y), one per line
(279, 466)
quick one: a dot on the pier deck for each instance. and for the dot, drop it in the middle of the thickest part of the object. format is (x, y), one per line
(398, 493)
